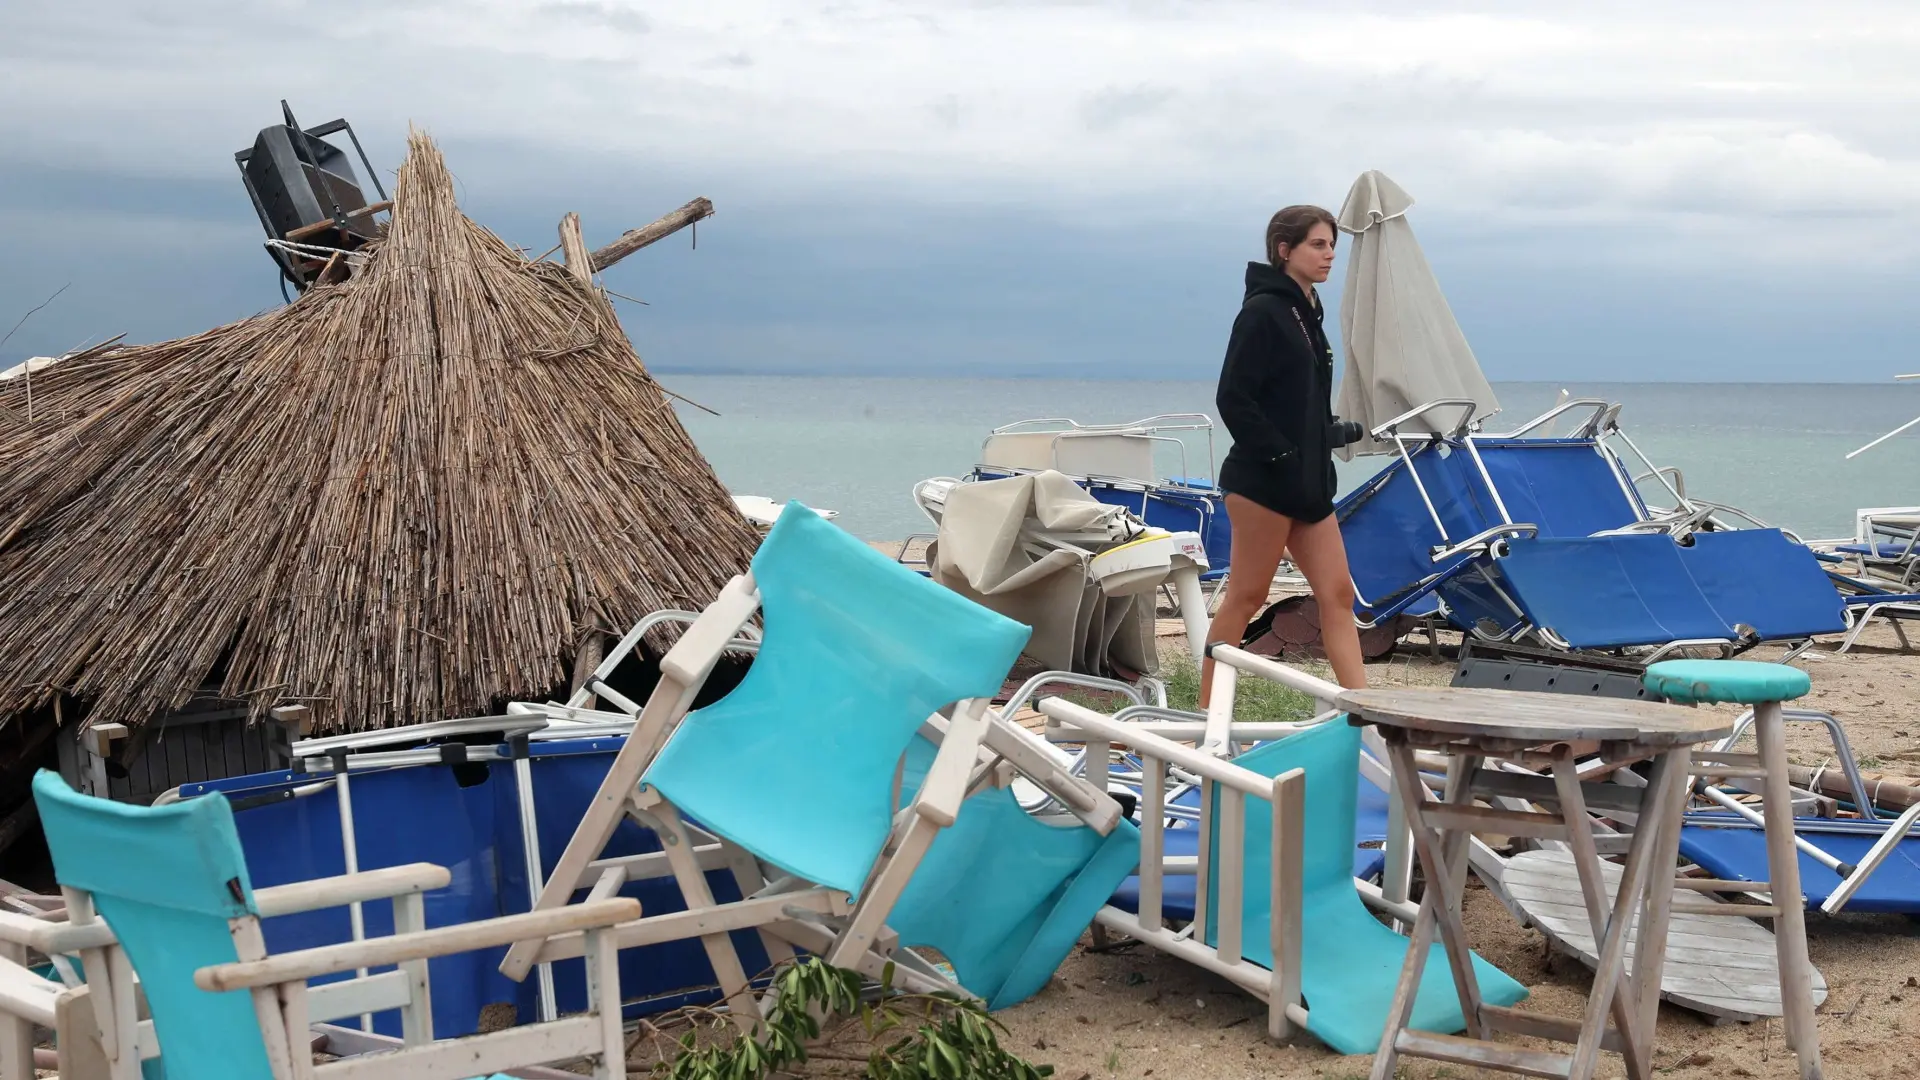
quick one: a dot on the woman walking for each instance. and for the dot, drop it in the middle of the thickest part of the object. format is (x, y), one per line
(1276, 398)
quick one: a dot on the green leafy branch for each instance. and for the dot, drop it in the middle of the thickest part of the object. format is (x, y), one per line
(818, 1008)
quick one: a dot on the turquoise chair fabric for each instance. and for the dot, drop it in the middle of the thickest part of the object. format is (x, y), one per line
(167, 879)
(796, 764)
(1743, 682)
(1005, 896)
(1350, 962)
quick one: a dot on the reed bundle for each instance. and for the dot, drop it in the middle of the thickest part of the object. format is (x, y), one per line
(401, 498)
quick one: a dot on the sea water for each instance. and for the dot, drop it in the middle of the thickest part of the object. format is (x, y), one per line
(858, 445)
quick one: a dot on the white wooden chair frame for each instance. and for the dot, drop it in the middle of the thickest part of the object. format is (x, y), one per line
(976, 747)
(102, 1037)
(1286, 799)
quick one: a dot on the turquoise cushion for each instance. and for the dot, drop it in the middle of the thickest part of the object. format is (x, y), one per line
(1743, 682)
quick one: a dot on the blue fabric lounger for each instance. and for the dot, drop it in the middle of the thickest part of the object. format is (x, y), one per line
(1390, 534)
(1729, 848)
(1602, 592)
(1565, 487)
(1761, 579)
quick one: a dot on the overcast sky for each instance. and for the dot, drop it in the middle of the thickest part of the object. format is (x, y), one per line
(1708, 191)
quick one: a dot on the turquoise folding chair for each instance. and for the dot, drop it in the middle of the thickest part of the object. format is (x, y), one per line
(1005, 895)
(171, 884)
(796, 772)
(1282, 917)
(1349, 962)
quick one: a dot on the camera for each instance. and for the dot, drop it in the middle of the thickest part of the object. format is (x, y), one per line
(1344, 432)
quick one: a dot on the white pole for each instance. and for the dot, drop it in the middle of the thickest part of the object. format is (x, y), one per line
(350, 853)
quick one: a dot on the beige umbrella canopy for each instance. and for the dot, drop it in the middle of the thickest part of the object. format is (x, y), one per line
(407, 496)
(1402, 343)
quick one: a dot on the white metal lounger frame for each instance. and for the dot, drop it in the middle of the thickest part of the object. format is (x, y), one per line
(1898, 524)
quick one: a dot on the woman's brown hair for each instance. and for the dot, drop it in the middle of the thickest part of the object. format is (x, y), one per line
(1291, 226)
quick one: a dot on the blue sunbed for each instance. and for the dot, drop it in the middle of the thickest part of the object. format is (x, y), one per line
(1732, 849)
(1563, 487)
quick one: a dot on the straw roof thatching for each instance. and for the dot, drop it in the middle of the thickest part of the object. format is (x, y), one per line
(401, 498)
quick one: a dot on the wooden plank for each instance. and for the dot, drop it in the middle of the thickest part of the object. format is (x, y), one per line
(1595, 899)
(1783, 871)
(16, 1023)
(1489, 819)
(1718, 966)
(176, 751)
(80, 1052)
(475, 1055)
(1459, 1051)
(1501, 1018)
(348, 1042)
(1739, 911)
(342, 889)
(352, 997)
(1532, 717)
(574, 247)
(193, 747)
(317, 227)
(446, 940)
(1541, 789)
(233, 752)
(634, 239)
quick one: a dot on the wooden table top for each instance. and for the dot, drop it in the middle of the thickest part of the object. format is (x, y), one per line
(1524, 716)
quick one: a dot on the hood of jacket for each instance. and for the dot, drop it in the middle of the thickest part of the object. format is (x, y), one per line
(1265, 278)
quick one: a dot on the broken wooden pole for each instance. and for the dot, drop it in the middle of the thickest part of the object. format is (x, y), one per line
(1887, 794)
(634, 239)
(573, 245)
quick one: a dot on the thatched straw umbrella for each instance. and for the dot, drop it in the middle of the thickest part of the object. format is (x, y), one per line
(405, 497)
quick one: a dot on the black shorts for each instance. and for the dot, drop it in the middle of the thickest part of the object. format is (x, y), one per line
(1280, 487)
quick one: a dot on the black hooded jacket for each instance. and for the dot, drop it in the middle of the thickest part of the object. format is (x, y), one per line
(1276, 397)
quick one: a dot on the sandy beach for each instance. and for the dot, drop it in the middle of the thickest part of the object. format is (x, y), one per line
(1135, 1012)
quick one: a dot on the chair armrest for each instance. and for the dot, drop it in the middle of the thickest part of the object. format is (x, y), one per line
(26, 995)
(347, 889)
(945, 786)
(1031, 756)
(693, 656)
(485, 934)
(50, 937)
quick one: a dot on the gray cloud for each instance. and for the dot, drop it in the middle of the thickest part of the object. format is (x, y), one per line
(1565, 144)
(1112, 106)
(601, 13)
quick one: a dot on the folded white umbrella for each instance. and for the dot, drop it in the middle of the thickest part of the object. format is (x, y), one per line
(1402, 343)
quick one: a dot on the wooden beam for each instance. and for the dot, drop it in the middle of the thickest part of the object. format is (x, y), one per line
(1887, 794)
(444, 941)
(574, 246)
(634, 239)
(344, 889)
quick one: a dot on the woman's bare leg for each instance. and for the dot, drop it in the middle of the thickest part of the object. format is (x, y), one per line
(1321, 555)
(1259, 539)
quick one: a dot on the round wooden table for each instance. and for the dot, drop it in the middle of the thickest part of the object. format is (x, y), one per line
(1554, 731)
